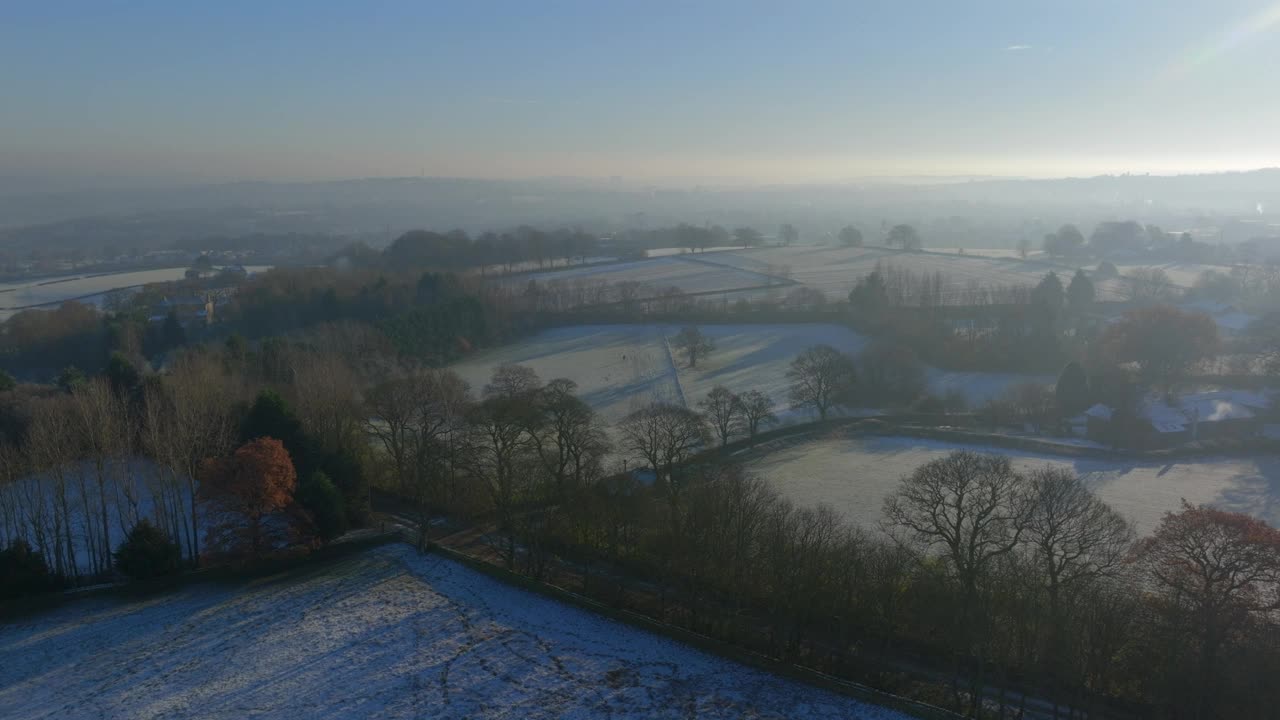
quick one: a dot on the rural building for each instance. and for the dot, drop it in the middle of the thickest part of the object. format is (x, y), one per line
(1159, 422)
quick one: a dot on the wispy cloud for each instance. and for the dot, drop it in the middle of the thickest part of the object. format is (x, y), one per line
(1015, 48)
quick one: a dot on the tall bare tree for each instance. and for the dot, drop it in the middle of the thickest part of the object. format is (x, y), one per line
(971, 508)
(756, 409)
(417, 419)
(1075, 539)
(568, 438)
(723, 410)
(822, 378)
(665, 435)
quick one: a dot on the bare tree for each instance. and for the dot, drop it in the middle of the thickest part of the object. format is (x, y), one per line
(755, 409)
(973, 509)
(500, 451)
(511, 381)
(50, 446)
(202, 425)
(1149, 285)
(693, 343)
(324, 394)
(567, 437)
(822, 378)
(417, 419)
(1075, 539)
(101, 427)
(664, 435)
(723, 409)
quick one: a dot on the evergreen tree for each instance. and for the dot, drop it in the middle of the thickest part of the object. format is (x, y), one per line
(319, 496)
(870, 294)
(1049, 292)
(71, 378)
(147, 552)
(122, 375)
(23, 572)
(272, 417)
(1080, 293)
(172, 334)
(1072, 391)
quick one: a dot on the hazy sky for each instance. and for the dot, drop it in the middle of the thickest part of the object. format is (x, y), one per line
(788, 91)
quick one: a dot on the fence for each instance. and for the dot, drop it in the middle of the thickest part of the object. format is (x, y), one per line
(701, 642)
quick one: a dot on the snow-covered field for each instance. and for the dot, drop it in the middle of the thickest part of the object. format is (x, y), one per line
(855, 474)
(688, 273)
(89, 289)
(619, 368)
(386, 634)
(834, 270)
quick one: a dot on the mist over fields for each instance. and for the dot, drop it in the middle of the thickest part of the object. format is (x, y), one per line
(950, 212)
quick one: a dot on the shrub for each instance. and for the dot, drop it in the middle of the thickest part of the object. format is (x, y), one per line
(148, 552)
(23, 572)
(319, 496)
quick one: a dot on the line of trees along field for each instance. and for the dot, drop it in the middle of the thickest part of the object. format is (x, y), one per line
(1007, 585)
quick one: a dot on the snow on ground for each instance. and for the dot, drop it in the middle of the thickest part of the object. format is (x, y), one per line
(89, 288)
(855, 474)
(1182, 274)
(689, 273)
(836, 270)
(757, 357)
(132, 492)
(385, 634)
(663, 252)
(619, 368)
(979, 388)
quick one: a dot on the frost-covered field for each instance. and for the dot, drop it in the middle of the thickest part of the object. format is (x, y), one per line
(618, 368)
(689, 273)
(387, 634)
(834, 270)
(89, 289)
(855, 474)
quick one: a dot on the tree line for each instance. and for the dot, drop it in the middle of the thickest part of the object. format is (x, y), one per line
(1011, 584)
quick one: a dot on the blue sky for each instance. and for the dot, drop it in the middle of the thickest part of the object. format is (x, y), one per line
(777, 91)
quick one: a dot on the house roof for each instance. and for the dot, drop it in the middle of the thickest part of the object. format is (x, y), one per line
(1204, 407)
(1099, 411)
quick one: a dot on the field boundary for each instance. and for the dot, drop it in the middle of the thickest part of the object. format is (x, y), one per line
(136, 590)
(700, 642)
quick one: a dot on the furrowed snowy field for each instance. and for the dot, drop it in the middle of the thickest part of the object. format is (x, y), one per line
(619, 368)
(386, 634)
(854, 475)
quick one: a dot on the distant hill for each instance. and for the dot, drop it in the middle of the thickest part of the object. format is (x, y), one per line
(980, 212)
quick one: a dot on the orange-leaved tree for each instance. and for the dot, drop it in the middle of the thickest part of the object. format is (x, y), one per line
(1217, 574)
(248, 498)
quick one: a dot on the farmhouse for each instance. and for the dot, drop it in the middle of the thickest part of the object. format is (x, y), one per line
(1159, 422)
